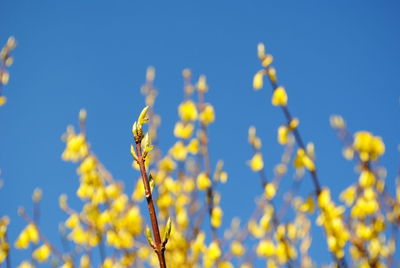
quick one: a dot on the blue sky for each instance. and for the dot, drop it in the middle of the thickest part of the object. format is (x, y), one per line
(333, 57)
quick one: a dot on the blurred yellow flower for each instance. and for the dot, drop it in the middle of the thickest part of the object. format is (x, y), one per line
(279, 97)
(256, 163)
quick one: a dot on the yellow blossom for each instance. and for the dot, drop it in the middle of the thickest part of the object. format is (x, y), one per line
(256, 163)
(258, 80)
(270, 190)
(349, 195)
(283, 132)
(167, 164)
(72, 221)
(265, 248)
(178, 151)
(85, 261)
(303, 160)
(76, 148)
(213, 251)
(279, 97)
(324, 198)
(187, 111)
(29, 234)
(3, 100)
(26, 264)
(216, 217)
(183, 131)
(308, 206)
(367, 179)
(42, 253)
(207, 115)
(368, 146)
(193, 146)
(203, 181)
(237, 249)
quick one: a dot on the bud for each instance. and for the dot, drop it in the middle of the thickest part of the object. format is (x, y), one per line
(258, 80)
(261, 51)
(62, 201)
(4, 77)
(202, 84)
(11, 43)
(151, 182)
(142, 118)
(186, 73)
(134, 130)
(37, 195)
(272, 74)
(167, 232)
(149, 237)
(133, 152)
(82, 115)
(267, 60)
(150, 74)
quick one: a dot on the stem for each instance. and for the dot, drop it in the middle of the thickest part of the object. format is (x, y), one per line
(159, 246)
(207, 167)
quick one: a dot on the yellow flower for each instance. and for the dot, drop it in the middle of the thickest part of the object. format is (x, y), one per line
(237, 249)
(42, 253)
(76, 148)
(265, 248)
(279, 97)
(207, 116)
(367, 179)
(26, 264)
(303, 160)
(256, 163)
(187, 111)
(213, 251)
(258, 80)
(193, 146)
(203, 181)
(283, 132)
(216, 217)
(179, 151)
(85, 261)
(270, 190)
(307, 206)
(183, 131)
(324, 198)
(3, 100)
(29, 234)
(368, 146)
(349, 195)
(72, 221)
(167, 164)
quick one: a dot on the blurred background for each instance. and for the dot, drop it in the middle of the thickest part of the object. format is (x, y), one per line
(333, 57)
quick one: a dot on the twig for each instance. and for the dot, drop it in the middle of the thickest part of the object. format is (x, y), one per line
(159, 246)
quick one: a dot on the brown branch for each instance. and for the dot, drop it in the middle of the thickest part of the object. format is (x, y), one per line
(159, 245)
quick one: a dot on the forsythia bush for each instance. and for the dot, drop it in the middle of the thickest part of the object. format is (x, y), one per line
(177, 188)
